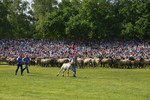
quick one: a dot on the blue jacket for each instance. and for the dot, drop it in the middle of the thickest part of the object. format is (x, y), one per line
(19, 60)
(26, 59)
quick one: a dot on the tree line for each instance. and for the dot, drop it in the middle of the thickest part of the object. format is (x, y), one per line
(75, 19)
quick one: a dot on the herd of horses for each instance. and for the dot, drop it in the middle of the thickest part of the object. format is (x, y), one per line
(82, 62)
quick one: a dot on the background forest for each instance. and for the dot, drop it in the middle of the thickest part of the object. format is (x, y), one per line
(75, 19)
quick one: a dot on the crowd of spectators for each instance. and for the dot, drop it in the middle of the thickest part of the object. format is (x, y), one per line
(68, 47)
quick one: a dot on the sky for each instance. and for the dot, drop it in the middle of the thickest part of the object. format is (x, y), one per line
(31, 0)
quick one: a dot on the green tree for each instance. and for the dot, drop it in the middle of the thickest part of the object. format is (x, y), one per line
(20, 19)
(95, 19)
(17, 20)
(41, 8)
(54, 23)
(4, 23)
(136, 14)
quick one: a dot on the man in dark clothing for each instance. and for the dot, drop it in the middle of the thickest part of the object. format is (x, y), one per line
(26, 61)
(19, 64)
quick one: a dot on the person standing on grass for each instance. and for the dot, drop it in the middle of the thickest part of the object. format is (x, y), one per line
(19, 64)
(26, 61)
(74, 65)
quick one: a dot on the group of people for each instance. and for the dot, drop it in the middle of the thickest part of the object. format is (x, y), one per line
(20, 62)
(57, 48)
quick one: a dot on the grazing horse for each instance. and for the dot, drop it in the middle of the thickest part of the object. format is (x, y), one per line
(66, 66)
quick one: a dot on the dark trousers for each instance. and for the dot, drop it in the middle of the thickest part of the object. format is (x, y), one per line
(74, 70)
(19, 65)
(26, 67)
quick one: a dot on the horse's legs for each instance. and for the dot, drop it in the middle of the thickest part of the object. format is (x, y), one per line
(63, 72)
(59, 72)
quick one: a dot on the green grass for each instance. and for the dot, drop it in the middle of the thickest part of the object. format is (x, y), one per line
(90, 84)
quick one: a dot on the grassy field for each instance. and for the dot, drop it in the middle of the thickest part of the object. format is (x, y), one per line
(90, 84)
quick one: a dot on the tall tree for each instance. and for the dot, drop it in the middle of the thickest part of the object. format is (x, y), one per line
(4, 23)
(17, 19)
(20, 19)
(136, 14)
(77, 26)
(95, 19)
(41, 8)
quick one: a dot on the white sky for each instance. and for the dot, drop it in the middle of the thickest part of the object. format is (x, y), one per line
(31, 0)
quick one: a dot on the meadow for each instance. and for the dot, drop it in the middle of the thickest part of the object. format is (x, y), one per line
(90, 84)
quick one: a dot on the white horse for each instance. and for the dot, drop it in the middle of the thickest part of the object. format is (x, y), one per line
(64, 67)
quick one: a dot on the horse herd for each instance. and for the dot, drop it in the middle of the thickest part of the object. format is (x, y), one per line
(82, 62)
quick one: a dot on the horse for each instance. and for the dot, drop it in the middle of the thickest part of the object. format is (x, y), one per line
(66, 66)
